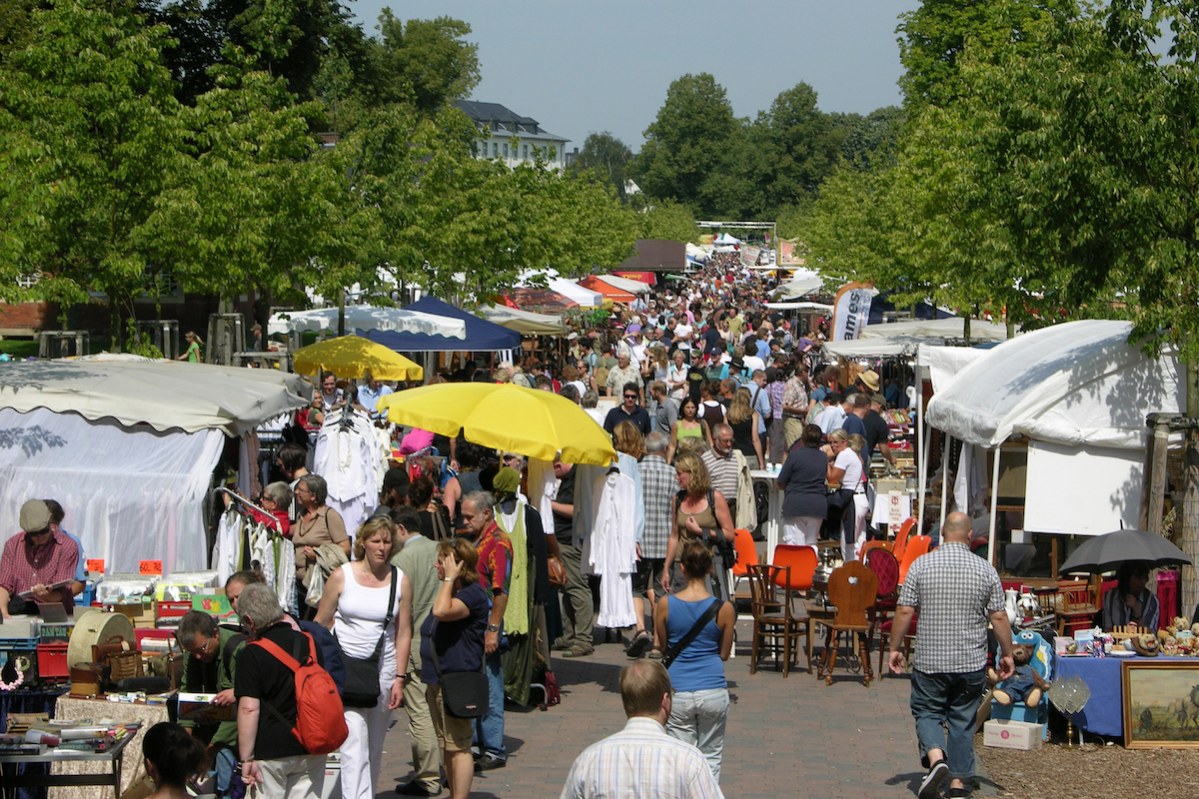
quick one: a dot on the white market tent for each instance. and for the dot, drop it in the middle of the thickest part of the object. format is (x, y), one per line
(799, 286)
(1079, 393)
(904, 338)
(128, 448)
(527, 323)
(584, 297)
(366, 318)
(626, 284)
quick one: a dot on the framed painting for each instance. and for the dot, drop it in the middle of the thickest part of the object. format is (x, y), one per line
(1161, 703)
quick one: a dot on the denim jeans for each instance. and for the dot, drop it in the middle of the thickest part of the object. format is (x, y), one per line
(698, 717)
(945, 707)
(489, 730)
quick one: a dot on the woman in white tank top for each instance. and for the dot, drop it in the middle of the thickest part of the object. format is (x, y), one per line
(354, 606)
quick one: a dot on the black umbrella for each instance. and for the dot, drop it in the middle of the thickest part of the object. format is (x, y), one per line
(1106, 552)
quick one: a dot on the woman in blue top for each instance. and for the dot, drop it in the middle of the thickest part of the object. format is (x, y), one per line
(454, 628)
(701, 697)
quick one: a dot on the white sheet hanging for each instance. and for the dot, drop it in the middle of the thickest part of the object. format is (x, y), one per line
(614, 551)
(130, 493)
(348, 457)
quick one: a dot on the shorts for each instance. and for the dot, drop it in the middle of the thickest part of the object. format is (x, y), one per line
(453, 733)
(649, 572)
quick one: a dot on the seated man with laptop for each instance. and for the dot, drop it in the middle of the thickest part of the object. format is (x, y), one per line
(37, 564)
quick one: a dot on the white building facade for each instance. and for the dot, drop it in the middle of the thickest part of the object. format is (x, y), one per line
(511, 138)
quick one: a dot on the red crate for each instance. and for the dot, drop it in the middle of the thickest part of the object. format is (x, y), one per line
(142, 635)
(173, 610)
(52, 661)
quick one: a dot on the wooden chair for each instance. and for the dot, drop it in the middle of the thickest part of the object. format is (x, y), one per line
(875, 544)
(1074, 605)
(747, 555)
(776, 629)
(853, 589)
(917, 545)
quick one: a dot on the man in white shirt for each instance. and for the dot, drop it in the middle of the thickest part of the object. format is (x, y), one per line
(642, 761)
(833, 415)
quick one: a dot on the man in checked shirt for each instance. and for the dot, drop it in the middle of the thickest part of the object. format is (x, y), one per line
(957, 592)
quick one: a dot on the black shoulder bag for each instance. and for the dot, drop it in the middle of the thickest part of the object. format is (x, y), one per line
(686, 640)
(464, 694)
(362, 674)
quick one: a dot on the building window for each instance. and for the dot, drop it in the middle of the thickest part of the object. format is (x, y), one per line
(526, 153)
(505, 150)
(495, 149)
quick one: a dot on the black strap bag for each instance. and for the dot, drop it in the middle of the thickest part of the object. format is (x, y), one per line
(464, 694)
(362, 674)
(686, 640)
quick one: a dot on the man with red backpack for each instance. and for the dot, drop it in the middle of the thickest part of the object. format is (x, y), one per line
(288, 707)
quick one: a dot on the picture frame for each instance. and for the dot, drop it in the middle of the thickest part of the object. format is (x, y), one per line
(1160, 703)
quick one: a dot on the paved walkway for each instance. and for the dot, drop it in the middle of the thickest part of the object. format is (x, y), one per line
(791, 737)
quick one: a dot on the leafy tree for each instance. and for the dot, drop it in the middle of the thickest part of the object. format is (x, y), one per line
(664, 219)
(872, 139)
(793, 146)
(427, 63)
(89, 130)
(607, 157)
(688, 143)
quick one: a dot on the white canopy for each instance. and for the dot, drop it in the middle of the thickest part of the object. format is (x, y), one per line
(166, 395)
(130, 493)
(725, 238)
(526, 323)
(1078, 383)
(799, 286)
(626, 284)
(818, 307)
(904, 338)
(367, 318)
(586, 298)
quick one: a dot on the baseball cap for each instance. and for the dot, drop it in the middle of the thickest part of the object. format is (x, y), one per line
(35, 516)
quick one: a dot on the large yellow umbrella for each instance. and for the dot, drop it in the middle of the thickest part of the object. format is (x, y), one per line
(536, 424)
(353, 356)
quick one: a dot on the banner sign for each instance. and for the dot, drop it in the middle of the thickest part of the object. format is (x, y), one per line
(851, 311)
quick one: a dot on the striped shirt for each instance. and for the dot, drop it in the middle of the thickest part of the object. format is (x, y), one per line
(956, 591)
(658, 487)
(641, 762)
(723, 473)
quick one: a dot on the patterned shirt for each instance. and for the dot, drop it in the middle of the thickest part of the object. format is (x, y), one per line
(658, 486)
(723, 473)
(955, 591)
(495, 560)
(794, 395)
(641, 762)
(775, 391)
(22, 566)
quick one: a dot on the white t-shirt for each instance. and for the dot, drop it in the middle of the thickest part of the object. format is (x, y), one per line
(851, 462)
(682, 335)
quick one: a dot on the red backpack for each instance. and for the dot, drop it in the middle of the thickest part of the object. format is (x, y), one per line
(320, 721)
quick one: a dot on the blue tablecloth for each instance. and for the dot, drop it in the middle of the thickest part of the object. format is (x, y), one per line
(1104, 712)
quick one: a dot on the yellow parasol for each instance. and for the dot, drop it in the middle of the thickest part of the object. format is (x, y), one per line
(536, 424)
(353, 356)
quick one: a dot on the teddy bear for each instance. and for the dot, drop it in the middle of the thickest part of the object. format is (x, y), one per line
(1025, 685)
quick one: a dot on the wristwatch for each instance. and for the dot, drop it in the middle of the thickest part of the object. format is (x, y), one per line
(493, 628)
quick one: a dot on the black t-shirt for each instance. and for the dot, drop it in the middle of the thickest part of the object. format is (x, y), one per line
(262, 676)
(695, 381)
(876, 432)
(563, 524)
(639, 417)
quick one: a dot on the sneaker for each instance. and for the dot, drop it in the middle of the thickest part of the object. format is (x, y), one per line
(414, 788)
(489, 761)
(578, 651)
(640, 643)
(933, 779)
(958, 793)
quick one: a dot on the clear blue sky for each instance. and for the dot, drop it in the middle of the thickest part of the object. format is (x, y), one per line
(583, 66)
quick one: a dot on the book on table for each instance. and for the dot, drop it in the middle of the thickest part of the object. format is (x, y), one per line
(198, 707)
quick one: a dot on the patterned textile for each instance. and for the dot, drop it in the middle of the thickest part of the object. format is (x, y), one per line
(658, 485)
(24, 566)
(794, 393)
(641, 762)
(775, 391)
(956, 591)
(495, 560)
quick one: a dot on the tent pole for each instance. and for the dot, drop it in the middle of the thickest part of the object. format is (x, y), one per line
(945, 447)
(921, 445)
(994, 504)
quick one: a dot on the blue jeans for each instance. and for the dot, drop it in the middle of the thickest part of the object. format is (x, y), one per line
(945, 707)
(489, 730)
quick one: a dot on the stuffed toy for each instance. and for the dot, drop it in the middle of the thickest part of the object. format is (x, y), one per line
(1026, 685)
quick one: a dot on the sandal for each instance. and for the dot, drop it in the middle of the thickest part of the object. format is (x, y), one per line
(641, 642)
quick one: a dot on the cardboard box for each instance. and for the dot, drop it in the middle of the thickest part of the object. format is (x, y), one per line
(1007, 734)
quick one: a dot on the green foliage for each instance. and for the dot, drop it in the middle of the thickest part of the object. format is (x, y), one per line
(666, 220)
(427, 63)
(606, 158)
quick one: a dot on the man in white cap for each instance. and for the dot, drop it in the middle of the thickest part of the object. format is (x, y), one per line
(37, 565)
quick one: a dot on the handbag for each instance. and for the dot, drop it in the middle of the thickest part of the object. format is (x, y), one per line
(557, 572)
(464, 694)
(686, 640)
(362, 674)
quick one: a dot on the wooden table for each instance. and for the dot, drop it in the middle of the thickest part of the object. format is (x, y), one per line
(114, 757)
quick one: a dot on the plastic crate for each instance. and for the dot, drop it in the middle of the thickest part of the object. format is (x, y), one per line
(168, 609)
(141, 635)
(22, 644)
(52, 661)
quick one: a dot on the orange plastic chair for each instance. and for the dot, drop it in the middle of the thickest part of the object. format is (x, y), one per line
(802, 561)
(901, 537)
(917, 545)
(747, 555)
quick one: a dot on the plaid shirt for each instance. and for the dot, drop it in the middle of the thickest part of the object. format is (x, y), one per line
(794, 394)
(658, 487)
(775, 392)
(955, 591)
(22, 566)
